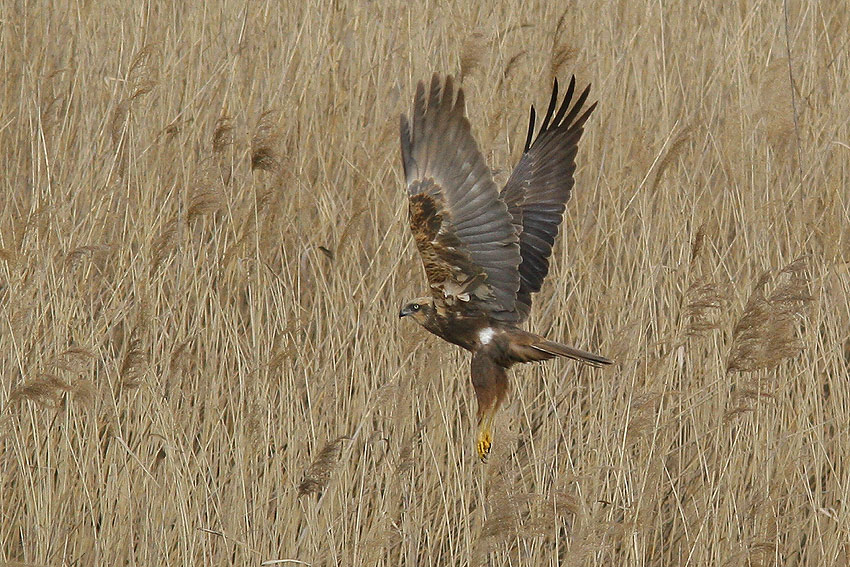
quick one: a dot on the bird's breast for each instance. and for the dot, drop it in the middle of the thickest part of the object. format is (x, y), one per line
(466, 332)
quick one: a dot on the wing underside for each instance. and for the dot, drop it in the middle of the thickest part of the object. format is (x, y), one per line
(462, 229)
(540, 186)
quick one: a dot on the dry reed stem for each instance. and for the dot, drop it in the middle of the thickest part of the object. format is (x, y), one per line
(8, 256)
(775, 104)
(164, 244)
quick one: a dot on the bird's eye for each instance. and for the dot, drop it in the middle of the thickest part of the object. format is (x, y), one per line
(415, 307)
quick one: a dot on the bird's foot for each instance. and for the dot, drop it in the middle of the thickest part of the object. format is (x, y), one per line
(485, 441)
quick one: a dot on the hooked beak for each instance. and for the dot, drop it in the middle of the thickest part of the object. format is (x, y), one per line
(404, 312)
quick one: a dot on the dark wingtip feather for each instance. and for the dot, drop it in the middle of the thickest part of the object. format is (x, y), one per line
(528, 138)
(435, 82)
(579, 103)
(448, 94)
(542, 182)
(580, 122)
(566, 102)
(549, 111)
(460, 103)
(406, 146)
(434, 95)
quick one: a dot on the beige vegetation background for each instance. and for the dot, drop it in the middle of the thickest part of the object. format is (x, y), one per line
(203, 249)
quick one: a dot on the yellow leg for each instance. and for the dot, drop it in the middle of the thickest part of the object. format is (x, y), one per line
(485, 437)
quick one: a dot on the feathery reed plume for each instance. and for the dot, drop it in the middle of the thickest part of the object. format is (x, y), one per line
(408, 452)
(135, 361)
(792, 294)
(48, 388)
(643, 412)
(143, 71)
(223, 133)
(512, 63)
(53, 112)
(204, 202)
(562, 53)
(746, 396)
(671, 152)
(141, 78)
(78, 254)
(753, 334)
(45, 390)
(74, 359)
(775, 104)
(205, 199)
(8, 256)
(565, 503)
(264, 144)
(699, 243)
(174, 127)
(540, 517)
(119, 125)
(265, 198)
(471, 54)
(766, 333)
(318, 475)
(706, 301)
(164, 244)
(83, 392)
(502, 522)
(120, 119)
(514, 515)
(181, 357)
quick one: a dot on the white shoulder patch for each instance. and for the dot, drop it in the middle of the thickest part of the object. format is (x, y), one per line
(485, 335)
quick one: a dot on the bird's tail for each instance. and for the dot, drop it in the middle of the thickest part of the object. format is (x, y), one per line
(547, 347)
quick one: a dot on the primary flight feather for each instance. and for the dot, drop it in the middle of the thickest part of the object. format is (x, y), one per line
(485, 251)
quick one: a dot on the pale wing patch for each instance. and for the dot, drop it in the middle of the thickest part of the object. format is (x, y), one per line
(485, 335)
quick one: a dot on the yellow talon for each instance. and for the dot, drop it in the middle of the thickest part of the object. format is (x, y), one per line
(483, 445)
(485, 441)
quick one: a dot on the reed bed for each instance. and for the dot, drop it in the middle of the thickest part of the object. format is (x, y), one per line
(203, 249)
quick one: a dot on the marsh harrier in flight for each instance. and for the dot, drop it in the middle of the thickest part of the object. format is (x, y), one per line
(485, 251)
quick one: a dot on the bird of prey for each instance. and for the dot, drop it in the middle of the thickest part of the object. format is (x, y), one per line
(486, 251)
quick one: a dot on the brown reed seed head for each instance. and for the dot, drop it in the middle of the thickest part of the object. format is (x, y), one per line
(318, 474)
(265, 145)
(766, 333)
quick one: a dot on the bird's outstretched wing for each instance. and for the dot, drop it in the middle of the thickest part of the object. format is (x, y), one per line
(540, 186)
(462, 228)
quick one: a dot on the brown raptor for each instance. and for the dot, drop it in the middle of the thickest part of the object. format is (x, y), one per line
(486, 251)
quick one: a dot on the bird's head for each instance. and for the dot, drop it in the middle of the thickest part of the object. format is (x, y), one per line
(418, 309)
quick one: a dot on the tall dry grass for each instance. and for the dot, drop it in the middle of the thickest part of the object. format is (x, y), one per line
(203, 248)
